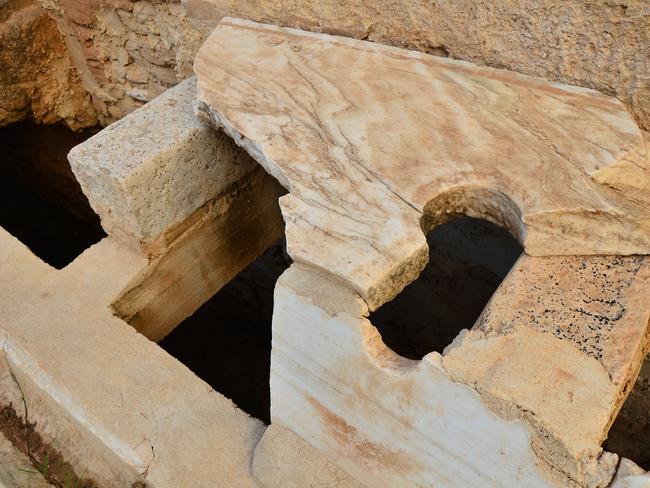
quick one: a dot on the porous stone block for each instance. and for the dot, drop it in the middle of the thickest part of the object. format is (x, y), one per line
(154, 168)
(198, 205)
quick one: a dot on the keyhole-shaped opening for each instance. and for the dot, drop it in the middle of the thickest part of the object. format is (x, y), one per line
(468, 259)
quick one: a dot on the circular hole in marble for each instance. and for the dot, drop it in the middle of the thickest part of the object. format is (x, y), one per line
(468, 259)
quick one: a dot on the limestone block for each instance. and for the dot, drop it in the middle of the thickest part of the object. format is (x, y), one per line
(203, 253)
(513, 402)
(112, 402)
(154, 168)
(374, 142)
(284, 460)
(198, 205)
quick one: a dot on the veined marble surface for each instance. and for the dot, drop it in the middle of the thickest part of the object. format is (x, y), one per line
(374, 141)
(509, 403)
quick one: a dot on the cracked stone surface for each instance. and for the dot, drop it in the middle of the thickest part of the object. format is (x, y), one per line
(373, 141)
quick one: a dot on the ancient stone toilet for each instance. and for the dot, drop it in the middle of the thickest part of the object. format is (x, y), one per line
(377, 145)
(367, 148)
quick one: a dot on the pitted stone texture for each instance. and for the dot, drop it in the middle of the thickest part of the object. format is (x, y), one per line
(597, 303)
(327, 355)
(198, 205)
(569, 391)
(371, 139)
(284, 460)
(153, 169)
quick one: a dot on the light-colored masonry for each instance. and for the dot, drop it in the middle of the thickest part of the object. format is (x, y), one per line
(353, 150)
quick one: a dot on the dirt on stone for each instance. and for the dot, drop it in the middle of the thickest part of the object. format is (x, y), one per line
(45, 458)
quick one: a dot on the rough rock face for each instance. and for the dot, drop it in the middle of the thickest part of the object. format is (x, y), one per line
(37, 76)
(127, 53)
(130, 51)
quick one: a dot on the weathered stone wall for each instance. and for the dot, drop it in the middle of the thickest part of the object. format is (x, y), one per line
(128, 52)
(37, 76)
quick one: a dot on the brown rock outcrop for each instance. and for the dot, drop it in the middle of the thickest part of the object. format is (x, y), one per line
(37, 76)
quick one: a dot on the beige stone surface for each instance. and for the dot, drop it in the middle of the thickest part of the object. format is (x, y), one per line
(599, 304)
(199, 206)
(206, 251)
(15, 469)
(153, 169)
(284, 460)
(371, 139)
(37, 76)
(390, 421)
(598, 45)
(117, 404)
(126, 52)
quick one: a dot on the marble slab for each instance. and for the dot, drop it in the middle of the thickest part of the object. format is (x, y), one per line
(376, 144)
(525, 398)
